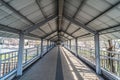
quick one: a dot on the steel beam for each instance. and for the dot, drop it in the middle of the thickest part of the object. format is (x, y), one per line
(42, 31)
(33, 27)
(83, 35)
(70, 44)
(43, 13)
(32, 35)
(76, 46)
(41, 48)
(79, 8)
(79, 24)
(75, 31)
(52, 37)
(113, 6)
(97, 53)
(15, 11)
(49, 34)
(109, 28)
(9, 29)
(20, 54)
(68, 34)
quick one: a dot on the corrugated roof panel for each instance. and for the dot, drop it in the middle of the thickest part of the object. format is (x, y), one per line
(19, 4)
(38, 32)
(75, 3)
(3, 14)
(53, 24)
(65, 24)
(90, 10)
(114, 13)
(7, 20)
(5, 9)
(72, 28)
(29, 9)
(18, 25)
(84, 15)
(112, 1)
(80, 32)
(100, 5)
(45, 3)
(46, 28)
(36, 16)
(69, 9)
(81, 19)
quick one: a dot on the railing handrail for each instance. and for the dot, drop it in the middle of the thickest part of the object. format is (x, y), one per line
(15, 51)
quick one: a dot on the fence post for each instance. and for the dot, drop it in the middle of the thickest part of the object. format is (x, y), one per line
(97, 53)
(20, 54)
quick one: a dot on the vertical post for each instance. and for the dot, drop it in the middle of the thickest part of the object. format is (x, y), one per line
(76, 46)
(0, 65)
(20, 54)
(97, 53)
(41, 47)
(70, 44)
(47, 45)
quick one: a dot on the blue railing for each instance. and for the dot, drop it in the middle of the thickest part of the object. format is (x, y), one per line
(9, 60)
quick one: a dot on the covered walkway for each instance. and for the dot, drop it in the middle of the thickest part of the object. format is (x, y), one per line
(89, 29)
(59, 65)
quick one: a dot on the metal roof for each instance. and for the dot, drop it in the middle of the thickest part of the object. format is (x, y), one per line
(64, 19)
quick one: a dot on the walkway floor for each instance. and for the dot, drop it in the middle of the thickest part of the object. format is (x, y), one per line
(59, 64)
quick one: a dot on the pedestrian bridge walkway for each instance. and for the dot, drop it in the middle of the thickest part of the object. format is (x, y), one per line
(59, 64)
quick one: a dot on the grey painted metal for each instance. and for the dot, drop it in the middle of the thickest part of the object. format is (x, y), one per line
(42, 31)
(32, 35)
(43, 13)
(9, 29)
(41, 47)
(52, 37)
(48, 34)
(65, 37)
(68, 34)
(97, 53)
(83, 35)
(70, 44)
(76, 46)
(112, 27)
(47, 44)
(33, 27)
(60, 13)
(78, 10)
(15, 11)
(103, 12)
(20, 54)
(75, 31)
(79, 24)
(13, 30)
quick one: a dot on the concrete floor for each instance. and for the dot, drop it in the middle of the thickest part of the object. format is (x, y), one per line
(67, 67)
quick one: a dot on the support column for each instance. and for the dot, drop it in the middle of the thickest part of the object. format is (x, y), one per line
(76, 46)
(70, 44)
(20, 54)
(97, 53)
(47, 45)
(41, 47)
